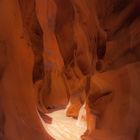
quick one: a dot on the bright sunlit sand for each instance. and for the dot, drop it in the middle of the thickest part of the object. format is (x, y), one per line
(65, 128)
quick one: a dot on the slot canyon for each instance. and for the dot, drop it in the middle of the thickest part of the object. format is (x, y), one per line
(69, 69)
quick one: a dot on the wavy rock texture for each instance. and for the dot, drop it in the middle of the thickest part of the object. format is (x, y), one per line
(18, 116)
(114, 98)
(55, 52)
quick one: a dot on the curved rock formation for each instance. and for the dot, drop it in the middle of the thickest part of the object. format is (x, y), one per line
(112, 98)
(18, 110)
(75, 52)
(54, 90)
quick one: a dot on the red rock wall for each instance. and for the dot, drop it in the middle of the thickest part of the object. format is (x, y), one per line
(73, 51)
(18, 111)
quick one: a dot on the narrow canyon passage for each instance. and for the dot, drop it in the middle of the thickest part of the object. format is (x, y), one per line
(69, 69)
